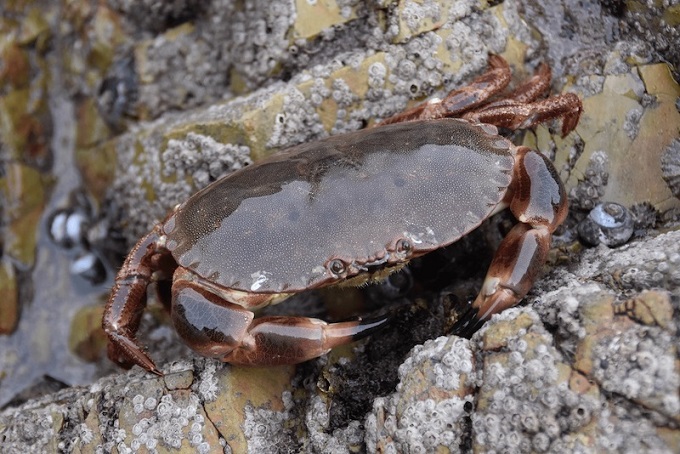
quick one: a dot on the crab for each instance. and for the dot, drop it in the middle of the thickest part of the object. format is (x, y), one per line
(349, 209)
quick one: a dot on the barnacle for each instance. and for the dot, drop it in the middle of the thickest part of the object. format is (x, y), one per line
(670, 167)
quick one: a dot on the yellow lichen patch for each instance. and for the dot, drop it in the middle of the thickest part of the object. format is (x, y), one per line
(444, 55)
(659, 81)
(579, 383)
(671, 16)
(598, 317)
(15, 68)
(91, 437)
(58, 420)
(650, 307)
(497, 335)
(245, 386)
(35, 27)
(515, 51)
(252, 129)
(256, 127)
(599, 313)
(633, 136)
(421, 383)
(314, 16)
(23, 116)
(9, 303)
(95, 166)
(91, 128)
(617, 351)
(356, 79)
(22, 188)
(671, 437)
(106, 35)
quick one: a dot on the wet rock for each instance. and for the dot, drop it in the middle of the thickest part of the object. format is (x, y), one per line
(525, 401)
(650, 307)
(249, 408)
(533, 395)
(315, 18)
(582, 371)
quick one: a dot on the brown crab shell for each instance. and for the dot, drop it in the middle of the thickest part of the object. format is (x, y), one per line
(280, 225)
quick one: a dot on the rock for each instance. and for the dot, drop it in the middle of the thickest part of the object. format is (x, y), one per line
(588, 362)
(572, 370)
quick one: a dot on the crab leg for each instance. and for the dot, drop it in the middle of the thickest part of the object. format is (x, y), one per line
(216, 328)
(519, 109)
(126, 304)
(494, 80)
(291, 340)
(518, 115)
(538, 200)
(530, 90)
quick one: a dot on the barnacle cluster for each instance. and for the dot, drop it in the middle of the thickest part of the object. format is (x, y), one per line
(203, 158)
(670, 166)
(431, 407)
(169, 422)
(525, 402)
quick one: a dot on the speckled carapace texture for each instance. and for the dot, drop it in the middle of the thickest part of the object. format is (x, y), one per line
(275, 226)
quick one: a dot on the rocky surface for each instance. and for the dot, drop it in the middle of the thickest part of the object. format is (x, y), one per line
(590, 366)
(173, 96)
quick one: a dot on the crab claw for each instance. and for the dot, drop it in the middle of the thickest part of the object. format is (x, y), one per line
(468, 323)
(290, 340)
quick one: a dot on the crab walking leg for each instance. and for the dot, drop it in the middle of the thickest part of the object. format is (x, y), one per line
(494, 80)
(216, 328)
(538, 200)
(525, 115)
(530, 90)
(512, 272)
(126, 304)
(519, 109)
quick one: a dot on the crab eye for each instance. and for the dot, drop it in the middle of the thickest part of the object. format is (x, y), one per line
(336, 267)
(404, 246)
